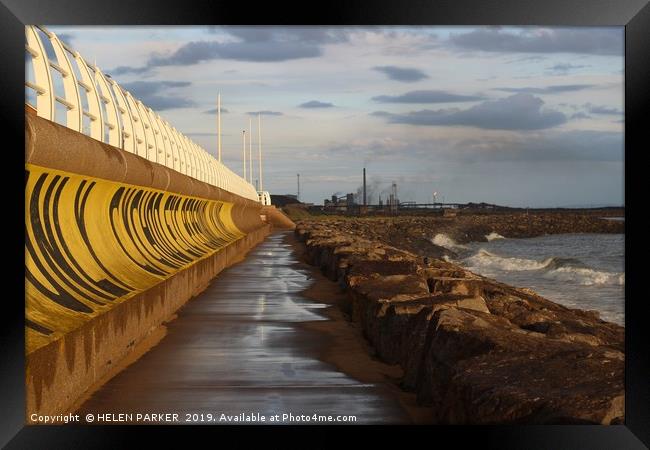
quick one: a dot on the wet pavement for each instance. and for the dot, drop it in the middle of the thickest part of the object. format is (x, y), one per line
(239, 348)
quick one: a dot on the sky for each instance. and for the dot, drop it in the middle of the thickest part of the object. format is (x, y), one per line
(519, 116)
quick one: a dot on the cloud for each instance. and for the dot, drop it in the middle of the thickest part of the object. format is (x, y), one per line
(557, 89)
(123, 70)
(149, 92)
(563, 69)
(251, 44)
(426, 96)
(574, 145)
(529, 58)
(595, 109)
(517, 112)
(196, 52)
(405, 74)
(214, 111)
(316, 104)
(313, 35)
(264, 113)
(371, 149)
(381, 114)
(580, 115)
(599, 41)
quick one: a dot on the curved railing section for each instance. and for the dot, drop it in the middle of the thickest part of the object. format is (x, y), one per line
(62, 87)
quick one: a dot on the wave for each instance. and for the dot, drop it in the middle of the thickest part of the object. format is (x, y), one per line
(492, 236)
(486, 260)
(561, 269)
(558, 263)
(442, 240)
(586, 276)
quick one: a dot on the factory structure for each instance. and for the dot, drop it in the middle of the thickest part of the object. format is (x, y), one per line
(355, 203)
(389, 203)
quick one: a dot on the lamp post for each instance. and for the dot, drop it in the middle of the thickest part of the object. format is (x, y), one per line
(259, 146)
(250, 149)
(244, 150)
(219, 126)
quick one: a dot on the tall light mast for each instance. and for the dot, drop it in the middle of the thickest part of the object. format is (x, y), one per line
(219, 126)
(244, 150)
(250, 149)
(259, 147)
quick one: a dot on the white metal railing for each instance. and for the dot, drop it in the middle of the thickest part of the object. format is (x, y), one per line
(64, 88)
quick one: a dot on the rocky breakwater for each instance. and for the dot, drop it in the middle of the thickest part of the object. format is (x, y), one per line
(475, 227)
(477, 351)
(415, 233)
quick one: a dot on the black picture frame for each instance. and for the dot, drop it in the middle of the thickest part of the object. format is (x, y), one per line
(633, 14)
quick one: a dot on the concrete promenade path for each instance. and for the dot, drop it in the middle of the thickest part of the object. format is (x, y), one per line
(239, 348)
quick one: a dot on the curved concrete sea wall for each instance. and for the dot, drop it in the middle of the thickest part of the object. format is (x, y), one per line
(114, 244)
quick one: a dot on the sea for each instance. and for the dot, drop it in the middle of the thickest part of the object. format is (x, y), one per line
(585, 271)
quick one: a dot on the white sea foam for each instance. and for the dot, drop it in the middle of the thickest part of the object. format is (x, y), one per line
(492, 236)
(577, 270)
(445, 241)
(585, 276)
(561, 269)
(486, 260)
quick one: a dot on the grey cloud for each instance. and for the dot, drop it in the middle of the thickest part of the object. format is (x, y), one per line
(517, 112)
(404, 74)
(580, 115)
(196, 52)
(264, 113)
(426, 96)
(374, 149)
(602, 41)
(144, 88)
(312, 35)
(595, 109)
(254, 44)
(316, 104)
(123, 70)
(558, 89)
(214, 111)
(153, 94)
(575, 145)
(523, 59)
(563, 69)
